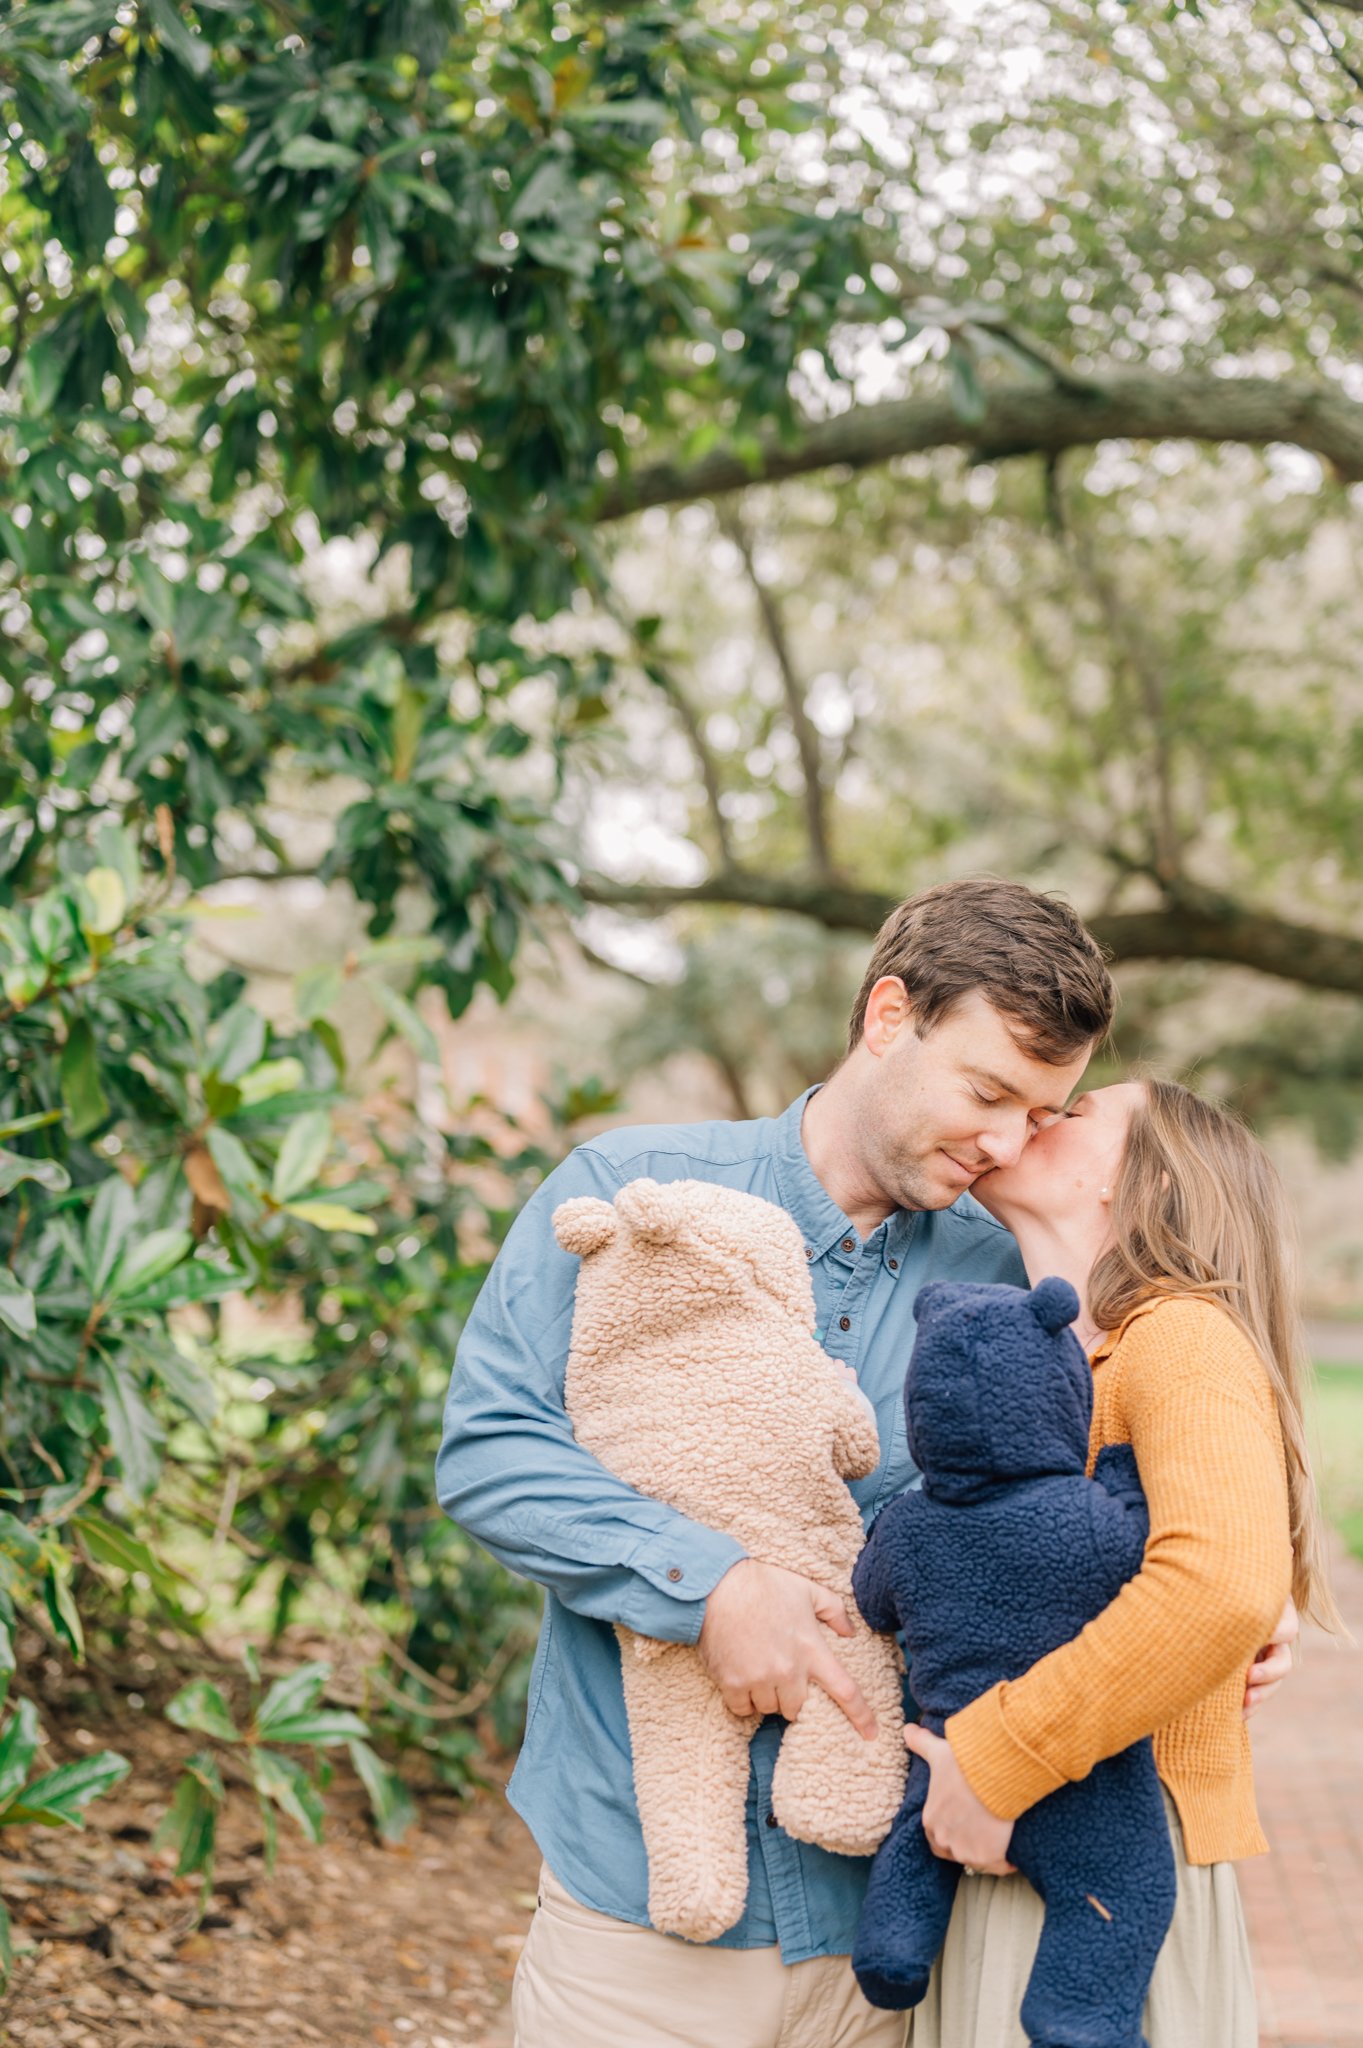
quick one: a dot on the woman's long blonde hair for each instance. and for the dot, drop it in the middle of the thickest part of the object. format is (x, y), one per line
(1198, 1209)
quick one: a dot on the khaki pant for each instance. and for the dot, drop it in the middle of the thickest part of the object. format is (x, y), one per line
(585, 1980)
(1201, 1995)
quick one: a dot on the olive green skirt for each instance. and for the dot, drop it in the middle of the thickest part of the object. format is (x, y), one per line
(1201, 1995)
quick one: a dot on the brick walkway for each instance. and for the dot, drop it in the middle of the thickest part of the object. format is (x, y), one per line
(1304, 1902)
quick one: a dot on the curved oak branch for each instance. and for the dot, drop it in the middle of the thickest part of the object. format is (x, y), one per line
(1022, 419)
(1200, 928)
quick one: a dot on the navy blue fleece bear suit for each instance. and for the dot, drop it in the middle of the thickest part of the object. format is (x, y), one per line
(1004, 1554)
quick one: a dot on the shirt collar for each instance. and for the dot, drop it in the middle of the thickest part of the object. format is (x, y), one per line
(1107, 1344)
(821, 1222)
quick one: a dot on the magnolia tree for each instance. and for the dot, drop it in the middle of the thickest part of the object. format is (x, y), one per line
(462, 292)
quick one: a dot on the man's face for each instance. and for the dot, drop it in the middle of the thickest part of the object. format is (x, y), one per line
(944, 1109)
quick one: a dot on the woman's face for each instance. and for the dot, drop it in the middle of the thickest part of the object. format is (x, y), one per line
(1067, 1171)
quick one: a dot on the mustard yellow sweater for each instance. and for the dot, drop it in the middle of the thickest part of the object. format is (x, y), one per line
(1185, 1388)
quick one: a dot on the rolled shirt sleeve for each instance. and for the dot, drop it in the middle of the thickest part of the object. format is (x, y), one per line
(510, 1471)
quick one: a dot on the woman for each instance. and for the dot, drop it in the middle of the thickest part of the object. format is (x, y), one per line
(1170, 1221)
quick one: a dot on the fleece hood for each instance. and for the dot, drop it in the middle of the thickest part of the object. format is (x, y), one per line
(998, 1387)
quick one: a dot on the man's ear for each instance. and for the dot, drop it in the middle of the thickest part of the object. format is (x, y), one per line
(584, 1224)
(889, 1011)
(653, 1209)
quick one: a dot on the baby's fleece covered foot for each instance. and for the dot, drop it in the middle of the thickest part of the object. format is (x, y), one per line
(831, 1785)
(908, 1904)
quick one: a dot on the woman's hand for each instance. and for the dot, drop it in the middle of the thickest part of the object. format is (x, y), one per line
(958, 1826)
(1273, 1662)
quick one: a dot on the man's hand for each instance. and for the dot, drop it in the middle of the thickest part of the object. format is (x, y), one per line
(959, 1827)
(764, 1642)
(1273, 1662)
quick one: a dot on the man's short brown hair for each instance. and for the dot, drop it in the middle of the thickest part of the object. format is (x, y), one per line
(1026, 953)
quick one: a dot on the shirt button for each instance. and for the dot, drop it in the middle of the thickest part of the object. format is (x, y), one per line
(772, 1821)
(674, 1572)
(809, 1251)
(894, 1265)
(844, 1322)
(848, 1243)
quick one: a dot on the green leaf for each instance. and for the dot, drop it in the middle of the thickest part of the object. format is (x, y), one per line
(325, 1215)
(271, 1078)
(285, 1782)
(80, 1411)
(197, 1279)
(82, 1089)
(201, 1707)
(62, 1610)
(269, 1823)
(17, 1310)
(56, 1799)
(109, 1544)
(156, 595)
(305, 1146)
(315, 990)
(296, 1693)
(45, 364)
(113, 1212)
(19, 1549)
(233, 1162)
(184, 1378)
(18, 1745)
(390, 1802)
(626, 113)
(149, 1259)
(108, 900)
(190, 1825)
(323, 1728)
(48, 1173)
(6, 1947)
(412, 1026)
(134, 1432)
(316, 153)
(193, 52)
(39, 1119)
(236, 1042)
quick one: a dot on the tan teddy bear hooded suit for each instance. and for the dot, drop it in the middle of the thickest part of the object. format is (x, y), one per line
(693, 1374)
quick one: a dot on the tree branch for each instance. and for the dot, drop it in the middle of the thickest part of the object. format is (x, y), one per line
(1196, 926)
(1132, 651)
(1024, 419)
(1351, 71)
(660, 675)
(806, 738)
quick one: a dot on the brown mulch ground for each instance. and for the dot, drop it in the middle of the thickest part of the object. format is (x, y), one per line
(350, 1943)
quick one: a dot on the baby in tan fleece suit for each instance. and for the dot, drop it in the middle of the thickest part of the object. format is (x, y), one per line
(693, 1374)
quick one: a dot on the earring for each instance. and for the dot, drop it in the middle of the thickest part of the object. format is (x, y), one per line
(1104, 1193)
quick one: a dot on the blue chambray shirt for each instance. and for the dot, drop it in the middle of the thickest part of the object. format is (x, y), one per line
(510, 1472)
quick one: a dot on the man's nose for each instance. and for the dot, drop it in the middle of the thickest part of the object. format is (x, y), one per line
(1004, 1146)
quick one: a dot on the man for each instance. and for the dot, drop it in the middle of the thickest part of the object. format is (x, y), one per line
(979, 1009)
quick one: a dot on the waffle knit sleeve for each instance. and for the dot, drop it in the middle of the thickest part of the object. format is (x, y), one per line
(1217, 1569)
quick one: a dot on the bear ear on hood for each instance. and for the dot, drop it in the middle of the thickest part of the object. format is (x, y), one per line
(653, 1210)
(584, 1225)
(925, 1297)
(1054, 1304)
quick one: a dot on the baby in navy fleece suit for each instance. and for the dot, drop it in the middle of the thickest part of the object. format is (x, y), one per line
(1004, 1554)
